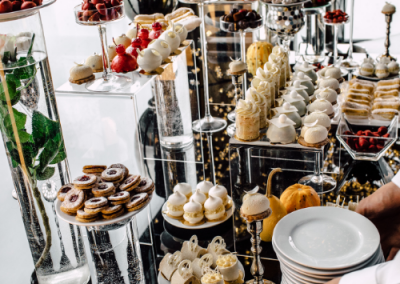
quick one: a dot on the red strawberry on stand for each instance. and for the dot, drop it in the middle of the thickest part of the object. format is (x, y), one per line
(156, 30)
(132, 49)
(123, 62)
(143, 34)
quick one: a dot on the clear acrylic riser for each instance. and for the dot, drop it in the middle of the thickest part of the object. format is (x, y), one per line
(129, 127)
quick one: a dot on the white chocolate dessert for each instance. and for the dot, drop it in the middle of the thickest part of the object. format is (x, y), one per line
(273, 58)
(247, 120)
(131, 33)
(300, 89)
(393, 68)
(281, 130)
(255, 207)
(308, 70)
(180, 30)
(172, 38)
(367, 68)
(199, 197)
(80, 72)
(184, 188)
(95, 62)
(204, 187)
(193, 212)
(276, 74)
(162, 47)
(259, 100)
(263, 89)
(321, 118)
(265, 82)
(237, 66)
(388, 9)
(296, 100)
(328, 94)
(216, 248)
(331, 71)
(323, 105)
(314, 133)
(214, 208)
(175, 204)
(169, 264)
(221, 192)
(200, 264)
(326, 82)
(228, 266)
(184, 274)
(305, 81)
(212, 277)
(381, 70)
(291, 112)
(284, 56)
(149, 59)
(191, 249)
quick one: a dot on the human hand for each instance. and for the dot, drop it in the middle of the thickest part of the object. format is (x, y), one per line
(383, 209)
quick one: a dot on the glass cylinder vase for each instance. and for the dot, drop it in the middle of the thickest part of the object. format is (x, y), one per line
(33, 140)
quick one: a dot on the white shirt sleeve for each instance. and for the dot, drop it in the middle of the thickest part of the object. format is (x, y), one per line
(396, 179)
(384, 273)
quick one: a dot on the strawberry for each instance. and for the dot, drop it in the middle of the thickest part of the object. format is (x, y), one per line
(376, 134)
(364, 143)
(382, 130)
(95, 2)
(347, 132)
(360, 133)
(372, 141)
(101, 8)
(6, 6)
(372, 148)
(368, 133)
(386, 135)
(25, 5)
(379, 147)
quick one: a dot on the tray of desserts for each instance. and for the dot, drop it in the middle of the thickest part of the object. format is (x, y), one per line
(207, 207)
(12, 10)
(376, 71)
(103, 196)
(194, 264)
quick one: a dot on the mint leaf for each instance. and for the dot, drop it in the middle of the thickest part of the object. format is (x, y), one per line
(20, 120)
(61, 154)
(48, 154)
(12, 87)
(23, 136)
(44, 129)
(46, 174)
(26, 72)
(28, 150)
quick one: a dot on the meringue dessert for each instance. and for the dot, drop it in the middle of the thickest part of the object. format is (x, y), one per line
(237, 66)
(300, 89)
(193, 212)
(199, 197)
(381, 70)
(247, 120)
(95, 62)
(388, 9)
(191, 249)
(255, 207)
(321, 118)
(259, 100)
(149, 59)
(291, 112)
(200, 264)
(214, 208)
(212, 277)
(175, 204)
(328, 94)
(205, 187)
(313, 135)
(169, 264)
(367, 68)
(296, 100)
(306, 82)
(221, 192)
(184, 274)
(307, 70)
(184, 188)
(228, 266)
(323, 105)
(281, 130)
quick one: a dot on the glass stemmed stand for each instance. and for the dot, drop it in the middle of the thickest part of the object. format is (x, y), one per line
(239, 78)
(109, 81)
(349, 63)
(336, 32)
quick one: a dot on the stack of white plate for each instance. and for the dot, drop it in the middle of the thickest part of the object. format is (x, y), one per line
(317, 244)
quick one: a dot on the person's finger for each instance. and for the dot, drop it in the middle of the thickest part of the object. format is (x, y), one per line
(392, 254)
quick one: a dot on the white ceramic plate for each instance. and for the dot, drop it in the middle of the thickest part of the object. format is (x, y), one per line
(326, 238)
(162, 280)
(179, 224)
(27, 12)
(99, 223)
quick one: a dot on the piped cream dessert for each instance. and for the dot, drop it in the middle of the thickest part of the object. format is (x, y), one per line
(200, 264)
(221, 192)
(214, 208)
(275, 72)
(216, 248)
(280, 52)
(184, 274)
(255, 207)
(193, 212)
(191, 249)
(212, 277)
(205, 187)
(247, 120)
(265, 82)
(229, 267)
(261, 101)
(175, 204)
(184, 188)
(199, 197)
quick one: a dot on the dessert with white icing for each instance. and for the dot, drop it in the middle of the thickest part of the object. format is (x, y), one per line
(184, 188)
(169, 264)
(228, 265)
(255, 207)
(247, 120)
(200, 264)
(214, 208)
(212, 277)
(180, 30)
(265, 82)
(204, 187)
(193, 212)
(291, 112)
(300, 89)
(259, 100)
(327, 82)
(237, 66)
(313, 134)
(281, 130)
(149, 59)
(388, 9)
(175, 204)
(199, 197)
(308, 70)
(323, 105)
(221, 192)
(381, 70)
(95, 62)
(80, 74)
(328, 94)
(280, 52)
(367, 68)
(306, 81)
(296, 100)
(275, 72)
(172, 38)
(162, 47)
(321, 118)
(275, 59)
(393, 68)
(191, 249)
(331, 71)
(184, 274)
(216, 248)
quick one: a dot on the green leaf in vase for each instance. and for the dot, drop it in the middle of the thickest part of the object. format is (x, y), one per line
(61, 154)
(49, 153)
(43, 129)
(24, 136)
(45, 174)
(25, 72)
(28, 150)
(20, 120)
(12, 83)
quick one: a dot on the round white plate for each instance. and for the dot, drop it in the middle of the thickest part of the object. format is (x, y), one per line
(162, 280)
(103, 222)
(326, 238)
(24, 13)
(179, 224)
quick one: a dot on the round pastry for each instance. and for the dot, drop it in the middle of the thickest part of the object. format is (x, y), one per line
(113, 175)
(305, 81)
(307, 70)
(119, 198)
(281, 130)
(137, 201)
(216, 248)
(332, 72)
(321, 118)
(199, 197)
(85, 217)
(122, 39)
(85, 182)
(214, 208)
(323, 106)
(103, 189)
(329, 83)
(314, 134)
(291, 113)
(381, 70)
(95, 62)
(131, 33)
(296, 100)
(122, 167)
(228, 266)
(112, 52)
(212, 277)
(169, 264)
(328, 94)
(221, 192)
(393, 68)
(95, 210)
(175, 204)
(237, 66)
(93, 169)
(255, 207)
(172, 38)
(193, 212)
(117, 210)
(204, 187)
(162, 47)
(130, 183)
(200, 264)
(96, 202)
(247, 120)
(389, 9)
(73, 201)
(184, 188)
(367, 68)
(62, 192)
(145, 185)
(80, 74)
(300, 89)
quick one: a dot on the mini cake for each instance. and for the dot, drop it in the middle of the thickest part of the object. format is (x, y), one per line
(172, 38)
(281, 130)
(216, 248)
(237, 66)
(149, 59)
(191, 249)
(307, 70)
(95, 62)
(322, 105)
(313, 135)
(212, 277)
(393, 68)
(247, 120)
(80, 74)
(193, 212)
(296, 100)
(169, 264)
(321, 118)
(184, 274)
(388, 9)
(255, 207)
(331, 71)
(259, 100)
(381, 70)
(228, 265)
(284, 56)
(200, 264)
(221, 192)
(265, 82)
(184, 188)
(306, 82)
(291, 112)
(300, 89)
(273, 58)
(367, 68)
(275, 72)
(326, 82)
(204, 187)
(328, 94)
(214, 208)
(175, 204)
(199, 197)
(162, 47)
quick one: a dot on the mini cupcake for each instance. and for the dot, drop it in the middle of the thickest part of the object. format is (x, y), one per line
(228, 266)
(199, 197)
(247, 120)
(212, 277)
(175, 204)
(184, 188)
(204, 187)
(193, 212)
(214, 208)
(221, 192)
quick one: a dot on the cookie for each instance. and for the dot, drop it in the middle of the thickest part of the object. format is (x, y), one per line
(96, 202)
(94, 169)
(62, 192)
(137, 201)
(85, 182)
(130, 183)
(119, 198)
(95, 210)
(103, 189)
(114, 215)
(85, 215)
(145, 185)
(113, 175)
(83, 220)
(122, 167)
(111, 210)
(73, 201)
